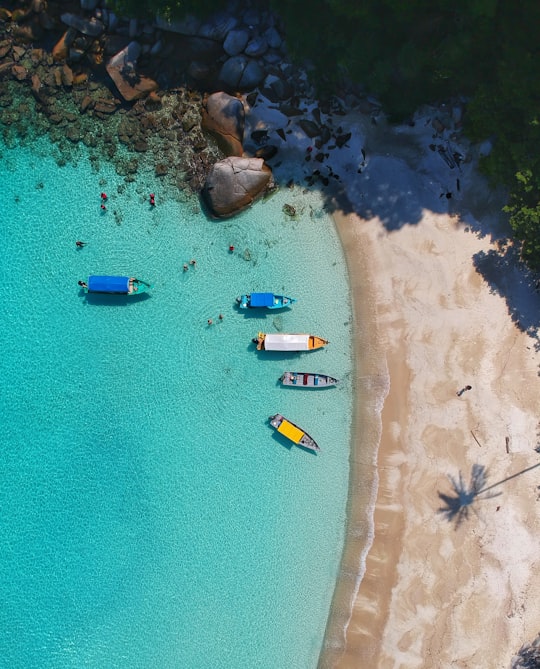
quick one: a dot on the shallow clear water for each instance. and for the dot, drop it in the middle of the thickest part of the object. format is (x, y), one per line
(150, 516)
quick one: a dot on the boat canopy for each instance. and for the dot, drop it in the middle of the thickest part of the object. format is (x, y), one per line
(286, 342)
(291, 431)
(108, 284)
(262, 299)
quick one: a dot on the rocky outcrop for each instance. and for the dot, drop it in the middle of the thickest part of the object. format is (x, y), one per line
(224, 118)
(158, 69)
(233, 184)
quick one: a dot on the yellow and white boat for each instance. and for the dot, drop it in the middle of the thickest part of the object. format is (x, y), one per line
(288, 342)
(293, 432)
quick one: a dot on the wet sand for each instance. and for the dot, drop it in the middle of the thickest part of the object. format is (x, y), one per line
(451, 577)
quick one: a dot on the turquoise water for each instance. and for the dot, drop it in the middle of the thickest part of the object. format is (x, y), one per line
(150, 517)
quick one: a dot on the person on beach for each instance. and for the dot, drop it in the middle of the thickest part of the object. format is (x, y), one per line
(460, 392)
(79, 244)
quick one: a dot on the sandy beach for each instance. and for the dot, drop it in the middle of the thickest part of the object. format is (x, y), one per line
(440, 563)
(451, 577)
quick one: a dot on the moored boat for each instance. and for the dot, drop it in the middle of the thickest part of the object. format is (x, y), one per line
(308, 380)
(115, 285)
(288, 342)
(293, 432)
(264, 301)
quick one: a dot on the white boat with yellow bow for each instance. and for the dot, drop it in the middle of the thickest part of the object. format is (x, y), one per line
(288, 342)
(288, 429)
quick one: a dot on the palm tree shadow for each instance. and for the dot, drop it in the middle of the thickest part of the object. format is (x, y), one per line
(459, 505)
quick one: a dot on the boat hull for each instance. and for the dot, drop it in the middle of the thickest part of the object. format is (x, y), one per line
(116, 285)
(264, 301)
(308, 380)
(294, 433)
(288, 342)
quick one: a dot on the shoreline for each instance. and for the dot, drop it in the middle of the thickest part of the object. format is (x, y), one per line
(416, 601)
(372, 384)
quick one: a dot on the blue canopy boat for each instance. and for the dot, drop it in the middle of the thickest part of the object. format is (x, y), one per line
(115, 285)
(264, 301)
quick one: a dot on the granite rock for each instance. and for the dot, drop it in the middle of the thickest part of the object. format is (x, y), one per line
(234, 183)
(224, 118)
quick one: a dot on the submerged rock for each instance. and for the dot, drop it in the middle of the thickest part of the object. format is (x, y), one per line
(289, 210)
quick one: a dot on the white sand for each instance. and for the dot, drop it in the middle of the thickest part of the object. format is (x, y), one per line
(447, 311)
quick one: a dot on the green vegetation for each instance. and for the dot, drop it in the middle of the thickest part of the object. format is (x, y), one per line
(170, 9)
(426, 51)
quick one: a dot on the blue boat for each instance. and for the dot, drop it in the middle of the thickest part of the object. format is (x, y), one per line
(115, 285)
(264, 301)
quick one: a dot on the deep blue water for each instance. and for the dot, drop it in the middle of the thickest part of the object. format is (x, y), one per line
(150, 517)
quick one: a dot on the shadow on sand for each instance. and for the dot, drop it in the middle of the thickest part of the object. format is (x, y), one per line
(457, 506)
(401, 173)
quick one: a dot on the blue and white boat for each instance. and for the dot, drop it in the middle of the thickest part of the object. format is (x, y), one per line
(308, 380)
(264, 301)
(114, 285)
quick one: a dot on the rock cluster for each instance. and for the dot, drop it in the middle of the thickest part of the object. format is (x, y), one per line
(143, 81)
(172, 93)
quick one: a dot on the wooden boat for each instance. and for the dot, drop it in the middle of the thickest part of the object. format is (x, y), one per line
(307, 380)
(288, 342)
(293, 432)
(264, 301)
(115, 285)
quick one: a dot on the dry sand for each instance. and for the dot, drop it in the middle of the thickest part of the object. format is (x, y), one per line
(452, 578)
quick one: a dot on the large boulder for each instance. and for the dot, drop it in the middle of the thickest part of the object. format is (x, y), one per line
(234, 183)
(122, 69)
(92, 27)
(235, 42)
(256, 47)
(61, 48)
(218, 28)
(224, 117)
(241, 73)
